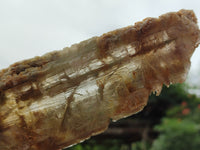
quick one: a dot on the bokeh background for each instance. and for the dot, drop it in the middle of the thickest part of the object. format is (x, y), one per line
(31, 28)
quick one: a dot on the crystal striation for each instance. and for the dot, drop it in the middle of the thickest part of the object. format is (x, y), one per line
(64, 97)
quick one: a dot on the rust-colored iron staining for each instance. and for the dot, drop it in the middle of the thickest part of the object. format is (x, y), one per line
(64, 97)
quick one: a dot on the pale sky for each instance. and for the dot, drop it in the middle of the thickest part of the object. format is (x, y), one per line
(30, 28)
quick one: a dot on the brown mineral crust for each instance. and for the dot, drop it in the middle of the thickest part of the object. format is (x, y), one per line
(127, 104)
(64, 97)
(30, 69)
(27, 70)
(178, 27)
(135, 34)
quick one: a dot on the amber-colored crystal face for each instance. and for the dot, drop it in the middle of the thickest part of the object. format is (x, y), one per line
(66, 96)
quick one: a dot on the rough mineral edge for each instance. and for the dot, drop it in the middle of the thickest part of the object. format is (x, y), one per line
(64, 97)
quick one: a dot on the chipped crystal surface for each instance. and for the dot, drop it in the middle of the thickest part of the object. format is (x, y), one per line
(66, 96)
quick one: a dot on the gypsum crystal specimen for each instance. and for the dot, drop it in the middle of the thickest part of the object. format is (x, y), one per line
(64, 97)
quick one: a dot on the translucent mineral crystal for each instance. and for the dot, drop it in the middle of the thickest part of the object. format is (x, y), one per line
(64, 97)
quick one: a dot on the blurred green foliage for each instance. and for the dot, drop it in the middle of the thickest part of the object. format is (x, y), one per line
(178, 126)
(177, 135)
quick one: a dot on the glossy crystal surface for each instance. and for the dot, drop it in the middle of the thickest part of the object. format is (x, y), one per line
(64, 97)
